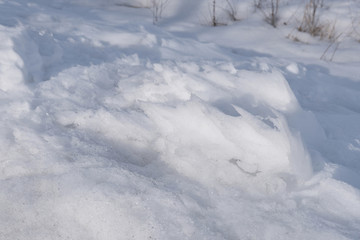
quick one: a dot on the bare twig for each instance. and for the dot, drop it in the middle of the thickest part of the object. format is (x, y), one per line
(310, 22)
(232, 10)
(270, 10)
(335, 42)
(157, 7)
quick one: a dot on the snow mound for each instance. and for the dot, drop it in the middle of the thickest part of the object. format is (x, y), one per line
(112, 128)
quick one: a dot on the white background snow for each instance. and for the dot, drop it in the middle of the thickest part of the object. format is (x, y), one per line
(115, 128)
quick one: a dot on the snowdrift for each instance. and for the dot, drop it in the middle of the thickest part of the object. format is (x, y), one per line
(113, 128)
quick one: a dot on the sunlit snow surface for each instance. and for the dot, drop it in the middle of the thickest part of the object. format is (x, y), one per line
(115, 128)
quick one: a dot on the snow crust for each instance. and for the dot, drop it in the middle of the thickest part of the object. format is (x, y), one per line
(115, 128)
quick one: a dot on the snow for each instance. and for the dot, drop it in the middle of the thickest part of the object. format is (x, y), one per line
(113, 127)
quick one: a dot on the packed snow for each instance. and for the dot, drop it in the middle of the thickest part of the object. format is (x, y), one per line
(117, 126)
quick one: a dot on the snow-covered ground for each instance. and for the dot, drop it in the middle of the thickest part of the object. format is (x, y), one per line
(115, 128)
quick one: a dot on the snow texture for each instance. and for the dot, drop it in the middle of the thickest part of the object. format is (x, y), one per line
(115, 128)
